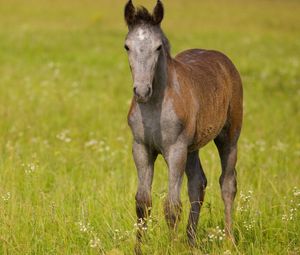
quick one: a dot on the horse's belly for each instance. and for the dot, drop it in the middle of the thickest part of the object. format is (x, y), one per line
(208, 129)
(204, 136)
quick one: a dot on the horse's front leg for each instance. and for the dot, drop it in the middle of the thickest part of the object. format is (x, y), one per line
(176, 159)
(144, 160)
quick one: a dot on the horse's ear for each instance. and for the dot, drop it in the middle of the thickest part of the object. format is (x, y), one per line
(158, 12)
(129, 13)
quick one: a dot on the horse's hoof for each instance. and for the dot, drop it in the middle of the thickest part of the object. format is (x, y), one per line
(138, 249)
(191, 238)
(230, 237)
(191, 242)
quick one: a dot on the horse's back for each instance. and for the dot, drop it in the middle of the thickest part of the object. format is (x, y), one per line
(217, 89)
(208, 61)
(210, 70)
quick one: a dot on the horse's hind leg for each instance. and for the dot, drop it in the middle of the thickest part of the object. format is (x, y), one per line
(227, 146)
(196, 188)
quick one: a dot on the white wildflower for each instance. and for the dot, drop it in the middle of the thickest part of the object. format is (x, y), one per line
(249, 224)
(64, 136)
(84, 227)
(296, 192)
(30, 168)
(245, 200)
(6, 196)
(91, 143)
(95, 242)
(280, 146)
(216, 234)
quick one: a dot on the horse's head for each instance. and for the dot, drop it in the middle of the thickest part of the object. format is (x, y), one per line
(144, 44)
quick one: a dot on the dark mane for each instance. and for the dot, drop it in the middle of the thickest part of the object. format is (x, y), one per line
(142, 15)
(166, 44)
(134, 16)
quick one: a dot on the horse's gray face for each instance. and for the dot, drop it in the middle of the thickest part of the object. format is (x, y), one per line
(143, 45)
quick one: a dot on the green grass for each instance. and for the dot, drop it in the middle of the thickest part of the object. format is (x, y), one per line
(67, 178)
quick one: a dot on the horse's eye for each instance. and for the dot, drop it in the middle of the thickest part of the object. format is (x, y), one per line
(126, 47)
(158, 48)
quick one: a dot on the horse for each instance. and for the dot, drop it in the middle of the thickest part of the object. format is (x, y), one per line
(179, 105)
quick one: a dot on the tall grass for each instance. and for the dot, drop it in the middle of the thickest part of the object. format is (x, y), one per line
(67, 179)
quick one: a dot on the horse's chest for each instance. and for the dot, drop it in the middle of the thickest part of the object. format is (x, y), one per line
(158, 127)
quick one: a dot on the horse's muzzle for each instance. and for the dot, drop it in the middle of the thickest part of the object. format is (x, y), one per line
(142, 93)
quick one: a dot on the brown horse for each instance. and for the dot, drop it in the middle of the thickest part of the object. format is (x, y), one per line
(179, 105)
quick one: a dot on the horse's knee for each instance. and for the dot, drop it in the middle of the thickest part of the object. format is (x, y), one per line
(172, 210)
(203, 182)
(197, 184)
(196, 190)
(143, 204)
(199, 180)
(228, 185)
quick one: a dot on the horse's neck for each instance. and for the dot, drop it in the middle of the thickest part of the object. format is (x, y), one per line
(160, 82)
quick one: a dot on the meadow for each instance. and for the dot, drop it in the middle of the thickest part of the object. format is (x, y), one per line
(67, 177)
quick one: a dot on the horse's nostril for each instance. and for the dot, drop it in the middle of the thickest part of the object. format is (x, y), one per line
(148, 91)
(142, 92)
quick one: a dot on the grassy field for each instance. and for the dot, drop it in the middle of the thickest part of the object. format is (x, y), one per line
(67, 178)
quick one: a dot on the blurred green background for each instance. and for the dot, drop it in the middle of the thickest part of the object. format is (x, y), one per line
(67, 179)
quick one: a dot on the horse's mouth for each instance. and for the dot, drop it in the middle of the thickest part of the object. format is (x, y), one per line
(142, 100)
